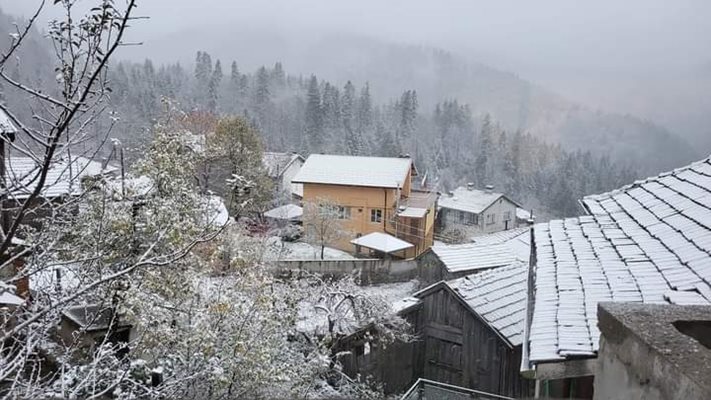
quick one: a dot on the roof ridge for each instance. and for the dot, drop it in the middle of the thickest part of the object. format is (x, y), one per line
(642, 181)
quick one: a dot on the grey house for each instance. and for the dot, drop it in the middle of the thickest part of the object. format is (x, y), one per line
(479, 211)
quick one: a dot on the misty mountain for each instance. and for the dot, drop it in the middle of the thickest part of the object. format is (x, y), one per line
(437, 76)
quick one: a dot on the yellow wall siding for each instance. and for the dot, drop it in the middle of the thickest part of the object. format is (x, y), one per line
(361, 200)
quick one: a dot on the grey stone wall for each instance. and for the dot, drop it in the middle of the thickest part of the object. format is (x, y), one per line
(370, 271)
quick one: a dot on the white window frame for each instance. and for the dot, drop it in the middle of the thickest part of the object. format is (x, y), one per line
(376, 215)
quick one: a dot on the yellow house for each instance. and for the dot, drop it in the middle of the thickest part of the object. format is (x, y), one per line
(372, 195)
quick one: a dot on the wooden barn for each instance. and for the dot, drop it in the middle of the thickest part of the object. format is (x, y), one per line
(469, 331)
(472, 331)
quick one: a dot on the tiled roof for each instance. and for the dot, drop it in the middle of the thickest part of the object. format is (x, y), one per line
(473, 256)
(486, 251)
(63, 178)
(277, 163)
(518, 240)
(499, 297)
(646, 242)
(380, 172)
(469, 200)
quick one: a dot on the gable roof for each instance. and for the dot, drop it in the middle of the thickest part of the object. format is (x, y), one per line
(64, 177)
(649, 242)
(496, 296)
(471, 200)
(487, 251)
(383, 172)
(277, 163)
(499, 297)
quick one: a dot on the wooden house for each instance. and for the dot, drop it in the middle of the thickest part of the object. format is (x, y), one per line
(373, 195)
(469, 331)
(476, 211)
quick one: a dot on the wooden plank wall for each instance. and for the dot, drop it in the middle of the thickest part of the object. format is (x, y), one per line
(462, 350)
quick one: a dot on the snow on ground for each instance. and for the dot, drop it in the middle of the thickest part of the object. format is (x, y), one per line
(276, 249)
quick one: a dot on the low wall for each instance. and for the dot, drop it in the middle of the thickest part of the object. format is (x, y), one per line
(370, 271)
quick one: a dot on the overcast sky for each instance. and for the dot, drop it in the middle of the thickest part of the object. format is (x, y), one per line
(599, 35)
(612, 54)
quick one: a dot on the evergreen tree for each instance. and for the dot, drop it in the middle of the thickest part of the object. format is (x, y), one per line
(481, 165)
(364, 116)
(213, 87)
(313, 117)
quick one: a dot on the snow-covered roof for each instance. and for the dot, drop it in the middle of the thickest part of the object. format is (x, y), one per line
(470, 200)
(647, 242)
(277, 163)
(474, 256)
(523, 214)
(518, 240)
(287, 211)
(93, 317)
(10, 299)
(499, 297)
(380, 172)
(63, 178)
(381, 242)
(139, 186)
(6, 125)
(413, 212)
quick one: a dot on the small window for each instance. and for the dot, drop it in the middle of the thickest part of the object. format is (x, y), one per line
(344, 212)
(490, 219)
(507, 215)
(376, 215)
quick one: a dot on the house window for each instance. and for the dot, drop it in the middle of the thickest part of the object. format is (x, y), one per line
(466, 218)
(507, 215)
(376, 215)
(344, 212)
(490, 219)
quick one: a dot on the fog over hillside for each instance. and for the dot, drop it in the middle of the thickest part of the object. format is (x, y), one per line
(645, 58)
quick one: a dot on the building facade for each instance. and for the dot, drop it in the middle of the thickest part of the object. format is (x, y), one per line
(477, 211)
(372, 194)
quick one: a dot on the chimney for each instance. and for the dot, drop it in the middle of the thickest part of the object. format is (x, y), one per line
(489, 188)
(470, 186)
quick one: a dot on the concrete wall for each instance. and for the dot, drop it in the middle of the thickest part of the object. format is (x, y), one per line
(644, 356)
(370, 271)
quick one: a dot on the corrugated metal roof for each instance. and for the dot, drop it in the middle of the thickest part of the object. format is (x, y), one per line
(499, 296)
(63, 178)
(381, 172)
(469, 200)
(646, 242)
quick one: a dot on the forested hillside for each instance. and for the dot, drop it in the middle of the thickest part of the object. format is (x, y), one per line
(438, 75)
(458, 121)
(450, 144)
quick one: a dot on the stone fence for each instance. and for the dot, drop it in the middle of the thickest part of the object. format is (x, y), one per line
(369, 271)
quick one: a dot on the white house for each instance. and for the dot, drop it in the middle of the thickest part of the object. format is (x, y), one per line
(483, 211)
(282, 168)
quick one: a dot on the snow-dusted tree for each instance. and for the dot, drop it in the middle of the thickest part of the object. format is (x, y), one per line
(235, 151)
(323, 223)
